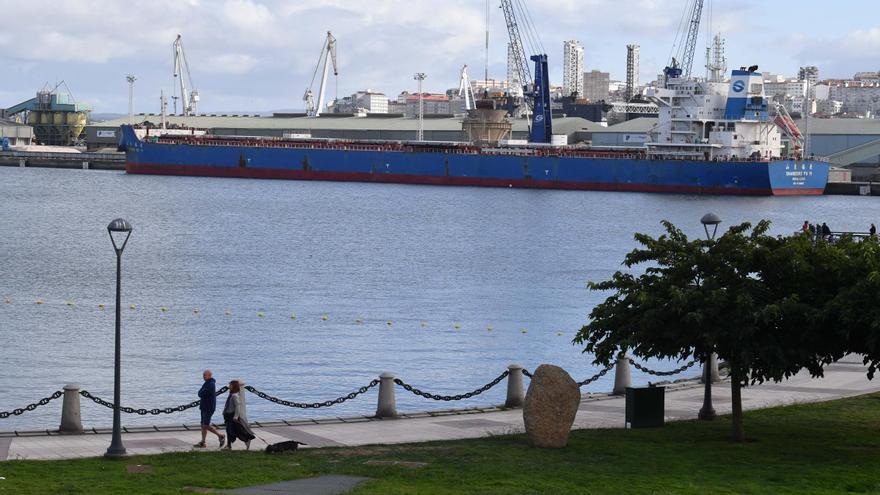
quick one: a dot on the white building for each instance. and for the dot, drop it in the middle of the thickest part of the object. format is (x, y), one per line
(856, 97)
(572, 68)
(371, 101)
(785, 88)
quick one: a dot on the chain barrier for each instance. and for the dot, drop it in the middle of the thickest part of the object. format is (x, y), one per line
(144, 412)
(312, 405)
(595, 377)
(30, 407)
(447, 398)
(662, 373)
(527, 372)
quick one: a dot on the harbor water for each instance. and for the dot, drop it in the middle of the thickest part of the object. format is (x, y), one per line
(309, 290)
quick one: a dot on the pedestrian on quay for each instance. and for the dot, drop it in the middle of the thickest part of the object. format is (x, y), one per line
(826, 231)
(207, 406)
(873, 230)
(235, 416)
(807, 228)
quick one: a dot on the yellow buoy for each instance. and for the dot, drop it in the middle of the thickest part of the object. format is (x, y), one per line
(457, 326)
(131, 306)
(389, 323)
(227, 312)
(260, 314)
(489, 328)
(324, 318)
(100, 306)
(523, 331)
(163, 309)
(39, 301)
(293, 316)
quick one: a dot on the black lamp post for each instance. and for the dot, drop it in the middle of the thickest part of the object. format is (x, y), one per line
(120, 229)
(707, 412)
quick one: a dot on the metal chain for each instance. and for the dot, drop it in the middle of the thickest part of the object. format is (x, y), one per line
(468, 395)
(30, 407)
(662, 373)
(144, 412)
(595, 377)
(526, 372)
(312, 405)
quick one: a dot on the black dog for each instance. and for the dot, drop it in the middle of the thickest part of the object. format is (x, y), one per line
(281, 447)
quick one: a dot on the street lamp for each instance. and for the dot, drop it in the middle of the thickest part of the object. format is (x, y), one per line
(119, 230)
(707, 412)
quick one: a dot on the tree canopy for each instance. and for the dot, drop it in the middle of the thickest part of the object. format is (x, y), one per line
(769, 306)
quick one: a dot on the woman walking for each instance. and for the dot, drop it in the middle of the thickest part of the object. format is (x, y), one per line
(236, 418)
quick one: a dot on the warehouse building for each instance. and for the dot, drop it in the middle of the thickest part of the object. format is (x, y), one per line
(15, 134)
(387, 127)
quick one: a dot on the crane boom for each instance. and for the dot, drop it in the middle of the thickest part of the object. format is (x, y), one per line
(519, 54)
(189, 96)
(465, 90)
(690, 46)
(327, 56)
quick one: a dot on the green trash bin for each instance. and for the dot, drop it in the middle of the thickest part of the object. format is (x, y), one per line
(645, 407)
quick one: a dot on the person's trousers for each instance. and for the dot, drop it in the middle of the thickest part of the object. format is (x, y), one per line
(230, 427)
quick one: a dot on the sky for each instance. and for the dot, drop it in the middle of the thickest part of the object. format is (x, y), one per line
(259, 55)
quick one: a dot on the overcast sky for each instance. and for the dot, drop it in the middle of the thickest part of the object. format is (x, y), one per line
(253, 55)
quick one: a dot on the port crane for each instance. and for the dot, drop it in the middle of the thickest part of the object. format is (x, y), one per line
(536, 90)
(682, 65)
(328, 55)
(183, 80)
(466, 90)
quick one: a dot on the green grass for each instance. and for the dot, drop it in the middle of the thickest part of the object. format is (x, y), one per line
(832, 447)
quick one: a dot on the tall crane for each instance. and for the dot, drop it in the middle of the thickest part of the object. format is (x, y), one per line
(465, 90)
(189, 97)
(537, 89)
(328, 55)
(682, 66)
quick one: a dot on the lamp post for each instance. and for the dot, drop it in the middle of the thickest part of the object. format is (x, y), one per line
(120, 229)
(707, 412)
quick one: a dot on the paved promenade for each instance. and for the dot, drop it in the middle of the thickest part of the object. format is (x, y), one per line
(843, 379)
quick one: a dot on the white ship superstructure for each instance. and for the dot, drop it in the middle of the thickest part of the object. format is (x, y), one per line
(715, 119)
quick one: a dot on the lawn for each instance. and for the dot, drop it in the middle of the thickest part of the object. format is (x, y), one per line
(832, 447)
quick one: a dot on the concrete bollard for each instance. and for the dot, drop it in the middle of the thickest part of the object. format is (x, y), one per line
(85, 165)
(622, 375)
(387, 407)
(71, 417)
(515, 395)
(713, 369)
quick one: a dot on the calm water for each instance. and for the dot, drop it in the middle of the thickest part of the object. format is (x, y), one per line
(424, 258)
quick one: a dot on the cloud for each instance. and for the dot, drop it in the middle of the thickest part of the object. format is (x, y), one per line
(229, 63)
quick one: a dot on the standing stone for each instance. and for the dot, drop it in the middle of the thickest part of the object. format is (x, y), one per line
(550, 407)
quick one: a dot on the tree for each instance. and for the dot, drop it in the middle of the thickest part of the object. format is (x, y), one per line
(741, 297)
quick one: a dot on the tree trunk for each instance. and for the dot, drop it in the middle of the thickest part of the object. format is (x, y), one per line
(739, 434)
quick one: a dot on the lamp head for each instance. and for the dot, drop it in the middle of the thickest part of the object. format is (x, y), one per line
(121, 229)
(713, 220)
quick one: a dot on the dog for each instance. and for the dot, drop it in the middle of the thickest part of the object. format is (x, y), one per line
(281, 447)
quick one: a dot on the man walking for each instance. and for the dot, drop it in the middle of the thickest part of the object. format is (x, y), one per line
(208, 396)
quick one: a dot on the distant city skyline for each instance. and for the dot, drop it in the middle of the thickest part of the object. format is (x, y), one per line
(259, 55)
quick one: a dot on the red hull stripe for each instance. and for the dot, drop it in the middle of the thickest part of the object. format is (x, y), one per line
(267, 173)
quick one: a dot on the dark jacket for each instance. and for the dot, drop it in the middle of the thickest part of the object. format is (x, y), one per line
(208, 395)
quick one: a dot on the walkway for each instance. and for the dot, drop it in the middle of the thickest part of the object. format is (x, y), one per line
(843, 379)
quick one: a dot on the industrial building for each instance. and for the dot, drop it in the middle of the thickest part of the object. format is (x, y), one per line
(56, 118)
(14, 134)
(391, 127)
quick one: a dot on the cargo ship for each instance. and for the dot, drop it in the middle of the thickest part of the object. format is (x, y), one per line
(712, 137)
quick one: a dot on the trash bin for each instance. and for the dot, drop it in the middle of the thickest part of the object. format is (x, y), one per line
(645, 407)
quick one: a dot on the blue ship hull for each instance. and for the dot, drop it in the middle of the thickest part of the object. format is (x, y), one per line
(451, 165)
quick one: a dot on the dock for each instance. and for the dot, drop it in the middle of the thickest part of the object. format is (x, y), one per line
(85, 161)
